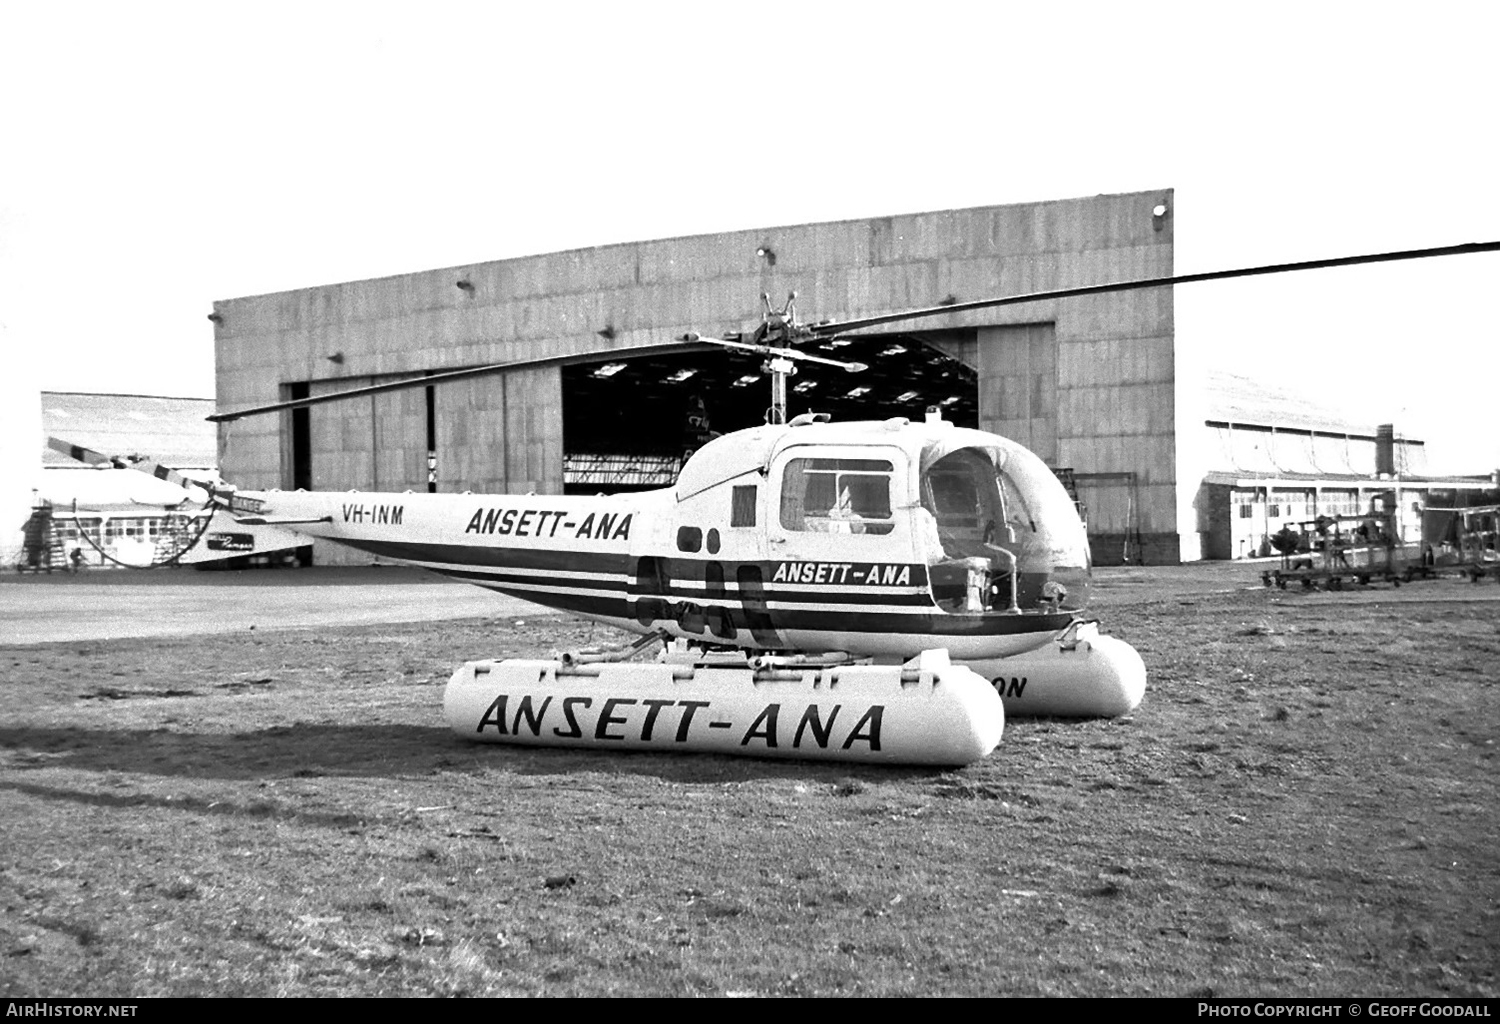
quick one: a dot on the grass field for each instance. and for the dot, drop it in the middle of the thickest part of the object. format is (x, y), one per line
(1305, 804)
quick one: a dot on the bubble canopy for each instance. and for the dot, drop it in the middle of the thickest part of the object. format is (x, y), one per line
(993, 499)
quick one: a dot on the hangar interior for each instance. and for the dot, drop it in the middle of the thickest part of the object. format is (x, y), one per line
(628, 424)
(1089, 384)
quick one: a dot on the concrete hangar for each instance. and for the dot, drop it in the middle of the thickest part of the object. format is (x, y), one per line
(1092, 384)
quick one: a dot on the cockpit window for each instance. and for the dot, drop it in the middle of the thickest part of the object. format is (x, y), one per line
(963, 493)
(837, 496)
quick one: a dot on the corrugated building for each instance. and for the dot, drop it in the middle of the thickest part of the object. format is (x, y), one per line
(1089, 384)
(1279, 459)
(1095, 385)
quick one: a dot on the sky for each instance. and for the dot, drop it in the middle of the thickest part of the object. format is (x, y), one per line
(160, 156)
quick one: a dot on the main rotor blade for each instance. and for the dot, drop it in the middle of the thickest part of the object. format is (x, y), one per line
(633, 352)
(828, 328)
(770, 350)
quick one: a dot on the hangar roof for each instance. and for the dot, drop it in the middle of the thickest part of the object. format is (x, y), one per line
(1252, 478)
(170, 430)
(1244, 400)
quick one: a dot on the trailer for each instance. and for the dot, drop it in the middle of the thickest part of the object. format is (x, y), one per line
(1332, 552)
(1467, 544)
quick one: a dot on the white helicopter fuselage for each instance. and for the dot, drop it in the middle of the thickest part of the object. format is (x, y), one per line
(590, 556)
(880, 540)
(863, 538)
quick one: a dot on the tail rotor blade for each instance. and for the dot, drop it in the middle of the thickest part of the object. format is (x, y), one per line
(147, 466)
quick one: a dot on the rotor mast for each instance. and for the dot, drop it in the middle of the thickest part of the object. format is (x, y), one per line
(779, 327)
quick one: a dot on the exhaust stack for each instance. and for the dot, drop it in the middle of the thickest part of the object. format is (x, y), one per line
(1385, 450)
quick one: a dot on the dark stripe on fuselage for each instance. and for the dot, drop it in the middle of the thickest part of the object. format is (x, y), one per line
(528, 581)
(908, 612)
(872, 620)
(580, 604)
(676, 593)
(552, 559)
(831, 595)
(684, 575)
(935, 623)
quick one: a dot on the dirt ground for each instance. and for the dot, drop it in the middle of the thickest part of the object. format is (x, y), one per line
(1305, 804)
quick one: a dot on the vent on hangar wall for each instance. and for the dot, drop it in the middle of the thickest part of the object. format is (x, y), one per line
(629, 424)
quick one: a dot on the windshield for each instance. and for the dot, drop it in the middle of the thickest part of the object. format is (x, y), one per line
(998, 502)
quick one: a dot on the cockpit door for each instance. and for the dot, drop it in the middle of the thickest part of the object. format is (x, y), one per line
(844, 509)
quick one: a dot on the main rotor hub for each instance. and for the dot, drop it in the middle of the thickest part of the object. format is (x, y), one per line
(779, 326)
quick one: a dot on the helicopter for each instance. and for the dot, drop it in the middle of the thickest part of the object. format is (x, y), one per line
(883, 590)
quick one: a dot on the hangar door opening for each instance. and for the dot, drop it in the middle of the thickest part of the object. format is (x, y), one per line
(629, 425)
